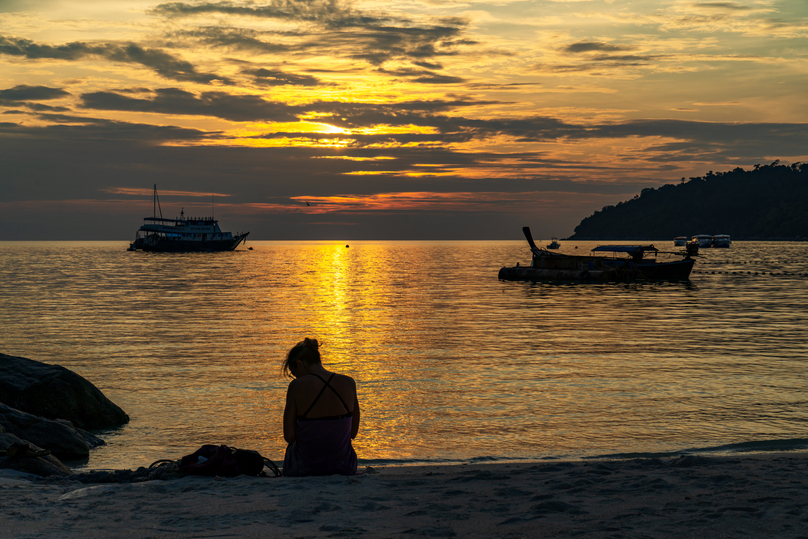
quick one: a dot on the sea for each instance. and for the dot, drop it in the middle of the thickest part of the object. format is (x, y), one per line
(452, 365)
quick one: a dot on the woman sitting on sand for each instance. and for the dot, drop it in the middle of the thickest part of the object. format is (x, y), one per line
(321, 416)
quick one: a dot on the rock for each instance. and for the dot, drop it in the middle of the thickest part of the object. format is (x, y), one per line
(58, 437)
(55, 392)
(29, 458)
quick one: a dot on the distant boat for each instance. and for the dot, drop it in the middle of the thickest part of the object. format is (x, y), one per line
(639, 263)
(721, 240)
(554, 244)
(183, 235)
(704, 240)
(680, 241)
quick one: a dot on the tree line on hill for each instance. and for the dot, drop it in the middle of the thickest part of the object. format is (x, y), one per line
(767, 203)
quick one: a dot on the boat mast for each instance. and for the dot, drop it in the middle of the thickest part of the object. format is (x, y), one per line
(156, 203)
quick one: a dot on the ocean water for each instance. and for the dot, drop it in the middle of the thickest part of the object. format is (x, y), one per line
(452, 365)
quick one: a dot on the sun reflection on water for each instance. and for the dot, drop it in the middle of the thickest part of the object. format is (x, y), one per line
(450, 363)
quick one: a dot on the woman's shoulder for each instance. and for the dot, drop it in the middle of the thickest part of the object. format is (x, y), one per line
(317, 380)
(344, 380)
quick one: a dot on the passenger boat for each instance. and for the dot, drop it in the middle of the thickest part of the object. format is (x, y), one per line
(704, 240)
(721, 240)
(639, 263)
(554, 244)
(680, 241)
(183, 235)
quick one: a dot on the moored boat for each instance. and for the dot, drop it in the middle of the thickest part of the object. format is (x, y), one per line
(704, 240)
(183, 235)
(680, 241)
(627, 263)
(721, 240)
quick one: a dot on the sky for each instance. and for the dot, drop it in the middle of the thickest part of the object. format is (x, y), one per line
(365, 120)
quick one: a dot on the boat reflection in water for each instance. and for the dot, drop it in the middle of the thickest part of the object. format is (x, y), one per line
(183, 235)
(640, 263)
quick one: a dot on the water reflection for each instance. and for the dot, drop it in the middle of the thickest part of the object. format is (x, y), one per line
(451, 363)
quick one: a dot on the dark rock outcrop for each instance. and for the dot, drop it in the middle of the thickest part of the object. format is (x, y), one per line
(24, 456)
(57, 436)
(54, 392)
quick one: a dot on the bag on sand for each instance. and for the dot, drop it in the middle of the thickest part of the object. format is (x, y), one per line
(224, 461)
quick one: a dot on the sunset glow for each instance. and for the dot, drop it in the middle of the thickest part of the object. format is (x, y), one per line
(359, 104)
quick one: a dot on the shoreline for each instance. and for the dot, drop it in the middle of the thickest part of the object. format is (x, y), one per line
(748, 494)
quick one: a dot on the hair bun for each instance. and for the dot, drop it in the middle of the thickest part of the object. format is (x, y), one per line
(311, 343)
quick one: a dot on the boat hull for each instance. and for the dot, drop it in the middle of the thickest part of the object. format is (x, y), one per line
(165, 245)
(608, 270)
(721, 242)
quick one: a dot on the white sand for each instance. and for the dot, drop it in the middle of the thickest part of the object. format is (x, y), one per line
(763, 495)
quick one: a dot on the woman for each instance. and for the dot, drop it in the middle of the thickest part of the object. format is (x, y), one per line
(321, 416)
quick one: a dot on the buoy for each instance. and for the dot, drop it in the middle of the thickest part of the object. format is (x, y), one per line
(347, 246)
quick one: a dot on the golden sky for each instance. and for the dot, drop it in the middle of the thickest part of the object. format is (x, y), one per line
(328, 119)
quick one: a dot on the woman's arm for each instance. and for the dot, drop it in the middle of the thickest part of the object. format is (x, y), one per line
(355, 416)
(290, 417)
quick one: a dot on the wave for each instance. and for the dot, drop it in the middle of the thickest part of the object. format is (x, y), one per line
(760, 446)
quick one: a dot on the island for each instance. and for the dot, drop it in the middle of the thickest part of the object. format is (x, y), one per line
(769, 202)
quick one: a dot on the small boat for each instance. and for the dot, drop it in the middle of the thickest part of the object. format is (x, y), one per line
(183, 235)
(639, 263)
(721, 240)
(680, 241)
(554, 244)
(704, 240)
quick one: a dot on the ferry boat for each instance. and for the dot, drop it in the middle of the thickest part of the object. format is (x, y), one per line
(641, 263)
(554, 244)
(183, 235)
(721, 240)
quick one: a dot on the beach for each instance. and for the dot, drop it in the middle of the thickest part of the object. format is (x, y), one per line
(746, 495)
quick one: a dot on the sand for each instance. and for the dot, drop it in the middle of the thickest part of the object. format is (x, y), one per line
(752, 495)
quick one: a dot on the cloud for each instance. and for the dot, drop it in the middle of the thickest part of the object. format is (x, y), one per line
(72, 129)
(273, 77)
(161, 62)
(590, 46)
(174, 101)
(335, 28)
(138, 191)
(24, 92)
(724, 6)
(241, 39)
(298, 10)
(251, 108)
(423, 76)
(458, 201)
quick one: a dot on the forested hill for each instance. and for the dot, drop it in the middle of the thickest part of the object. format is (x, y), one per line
(767, 203)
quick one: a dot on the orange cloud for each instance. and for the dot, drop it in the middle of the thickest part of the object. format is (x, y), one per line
(137, 191)
(532, 201)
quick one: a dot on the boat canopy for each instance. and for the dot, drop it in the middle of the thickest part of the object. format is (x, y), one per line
(625, 248)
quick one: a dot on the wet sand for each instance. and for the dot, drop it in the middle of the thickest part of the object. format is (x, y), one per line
(750, 495)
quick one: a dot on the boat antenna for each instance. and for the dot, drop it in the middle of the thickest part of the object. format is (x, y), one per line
(156, 203)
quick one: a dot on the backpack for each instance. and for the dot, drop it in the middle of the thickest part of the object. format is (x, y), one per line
(224, 461)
